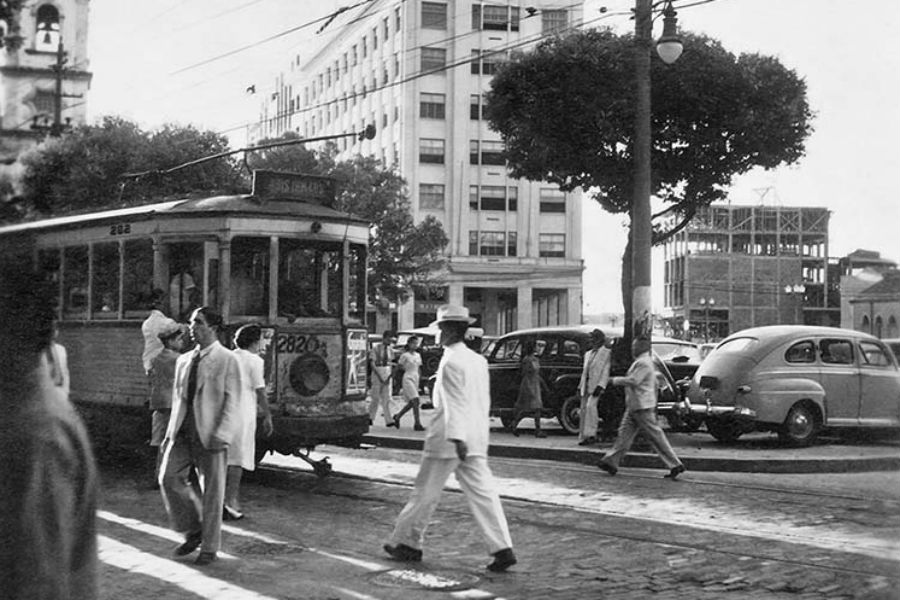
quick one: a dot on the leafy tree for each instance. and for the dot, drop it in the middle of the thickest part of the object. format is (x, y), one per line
(83, 170)
(295, 158)
(9, 14)
(566, 113)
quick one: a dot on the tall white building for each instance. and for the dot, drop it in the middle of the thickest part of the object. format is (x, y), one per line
(418, 70)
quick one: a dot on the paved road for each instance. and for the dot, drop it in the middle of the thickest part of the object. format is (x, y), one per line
(578, 533)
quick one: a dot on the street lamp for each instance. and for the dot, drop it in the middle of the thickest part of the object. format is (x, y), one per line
(641, 229)
(796, 291)
(707, 304)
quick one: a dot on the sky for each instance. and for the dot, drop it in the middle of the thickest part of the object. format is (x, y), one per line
(157, 61)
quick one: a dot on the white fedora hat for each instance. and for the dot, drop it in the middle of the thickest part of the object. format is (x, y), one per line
(453, 313)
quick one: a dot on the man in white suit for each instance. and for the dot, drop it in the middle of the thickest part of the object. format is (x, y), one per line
(594, 379)
(205, 416)
(456, 442)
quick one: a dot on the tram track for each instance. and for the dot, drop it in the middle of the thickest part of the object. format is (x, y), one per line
(736, 544)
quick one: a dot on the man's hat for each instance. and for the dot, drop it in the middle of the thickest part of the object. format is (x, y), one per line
(453, 313)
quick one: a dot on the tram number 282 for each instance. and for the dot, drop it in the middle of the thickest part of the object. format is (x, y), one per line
(300, 344)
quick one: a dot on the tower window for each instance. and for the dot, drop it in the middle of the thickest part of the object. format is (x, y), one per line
(47, 37)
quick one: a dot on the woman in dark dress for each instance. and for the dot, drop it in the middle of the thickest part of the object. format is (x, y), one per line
(529, 401)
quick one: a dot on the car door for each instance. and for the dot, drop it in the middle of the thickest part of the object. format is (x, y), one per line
(840, 379)
(880, 386)
(504, 373)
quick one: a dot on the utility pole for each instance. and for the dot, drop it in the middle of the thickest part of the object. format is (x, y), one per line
(57, 127)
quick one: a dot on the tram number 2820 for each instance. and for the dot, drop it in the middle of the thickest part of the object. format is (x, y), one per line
(300, 344)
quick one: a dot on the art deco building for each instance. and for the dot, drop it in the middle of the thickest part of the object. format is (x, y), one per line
(736, 267)
(32, 95)
(418, 70)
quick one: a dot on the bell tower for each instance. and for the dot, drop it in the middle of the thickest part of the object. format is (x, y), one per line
(44, 73)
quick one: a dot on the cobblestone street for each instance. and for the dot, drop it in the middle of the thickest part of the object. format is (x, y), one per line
(321, 538)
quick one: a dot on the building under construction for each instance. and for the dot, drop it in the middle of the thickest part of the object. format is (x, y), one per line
(736, 267)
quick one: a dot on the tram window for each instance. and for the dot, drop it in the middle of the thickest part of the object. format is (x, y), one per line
(356, 295)
(105, 286)
(75, 281)
(185, 278)
(309, 280)
(137, 278)
(249, 285)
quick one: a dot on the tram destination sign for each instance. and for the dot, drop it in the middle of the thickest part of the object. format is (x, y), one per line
(294, 186)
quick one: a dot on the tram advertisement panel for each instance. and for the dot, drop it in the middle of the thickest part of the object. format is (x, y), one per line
(357, 357)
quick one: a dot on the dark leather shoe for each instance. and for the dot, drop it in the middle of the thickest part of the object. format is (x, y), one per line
(418, 428)
(674, 472)
(588, 441)
(403, 553)
(503, 560)
(607, 467)
(205, 558)
(394, 423)
(191, 543)
(540, 434)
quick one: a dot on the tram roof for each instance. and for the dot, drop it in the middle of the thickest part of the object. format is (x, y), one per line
(236, 205)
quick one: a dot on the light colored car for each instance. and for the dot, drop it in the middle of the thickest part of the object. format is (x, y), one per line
(796, 380)
(894, 345)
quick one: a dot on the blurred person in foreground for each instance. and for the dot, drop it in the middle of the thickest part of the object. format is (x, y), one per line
(48, 494)
(640, 413)
(205, 416)
(456, 442)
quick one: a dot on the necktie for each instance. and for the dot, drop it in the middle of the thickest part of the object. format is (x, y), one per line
(192, 378)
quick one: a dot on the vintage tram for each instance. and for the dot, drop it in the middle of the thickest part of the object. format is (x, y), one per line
(281, 256)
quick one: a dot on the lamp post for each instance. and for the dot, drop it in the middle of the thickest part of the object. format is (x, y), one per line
(796, 292)
(707, 304)
(669, 48)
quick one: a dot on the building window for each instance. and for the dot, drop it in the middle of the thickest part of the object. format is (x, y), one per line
(47, 36)
(434, 15)
(433, 58)
(486, 63)
(500, 18)
(431, 196)
(365, 46)
(553, 200)
(553, 21)
(492, 243)
(492, 153)
(44, 102)
(354, 56)
(493, 197)
(431, 106)
(387, 29)
(431, 151)
(552, 245)
(476, 107)
(397, 19)
(374, 38)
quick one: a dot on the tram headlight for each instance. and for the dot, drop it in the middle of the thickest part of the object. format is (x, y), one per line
(309, 374)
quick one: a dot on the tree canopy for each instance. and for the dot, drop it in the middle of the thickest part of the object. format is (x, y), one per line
(566, 113)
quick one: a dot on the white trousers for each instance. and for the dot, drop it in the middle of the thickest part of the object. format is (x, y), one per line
(589, 417)
(477, 483)
(645, 421)
(380, 395)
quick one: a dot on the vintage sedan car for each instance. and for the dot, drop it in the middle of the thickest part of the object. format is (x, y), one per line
(560, 351)
(796, 380)
(681, 357)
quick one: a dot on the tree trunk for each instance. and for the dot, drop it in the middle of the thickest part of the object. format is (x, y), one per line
(621, 352)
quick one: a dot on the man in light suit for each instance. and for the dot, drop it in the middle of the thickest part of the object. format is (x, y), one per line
(456, 442)
(594, 379)
(205, 416)
(640, 413)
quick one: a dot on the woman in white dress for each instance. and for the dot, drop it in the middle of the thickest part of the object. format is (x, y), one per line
(410, 361)
(242, 451)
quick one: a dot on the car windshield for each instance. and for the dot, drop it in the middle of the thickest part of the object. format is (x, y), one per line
(737, 345)
(675, 352)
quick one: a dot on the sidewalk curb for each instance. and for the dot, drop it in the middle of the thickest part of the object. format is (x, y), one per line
(642, 460)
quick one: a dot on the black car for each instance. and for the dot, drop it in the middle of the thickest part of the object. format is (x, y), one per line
(560, 351)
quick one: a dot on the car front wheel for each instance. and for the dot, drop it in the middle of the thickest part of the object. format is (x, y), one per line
(570, 415)
(724, 430)
(801, 426)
